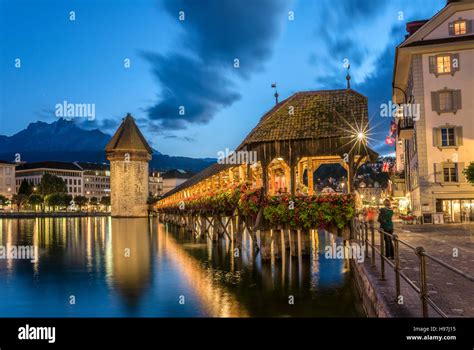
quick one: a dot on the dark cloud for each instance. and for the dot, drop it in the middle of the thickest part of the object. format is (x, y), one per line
(183, 138)
(188, 83)
(200, 76)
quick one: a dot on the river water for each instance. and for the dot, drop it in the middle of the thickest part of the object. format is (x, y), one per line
(104, 267)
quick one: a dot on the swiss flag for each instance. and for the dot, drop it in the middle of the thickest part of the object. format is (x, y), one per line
(389, 140)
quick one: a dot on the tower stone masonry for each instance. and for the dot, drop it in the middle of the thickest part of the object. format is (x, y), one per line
(129, 154)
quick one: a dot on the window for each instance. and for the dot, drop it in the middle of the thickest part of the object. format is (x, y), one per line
(447, 63)
(447, 137)
(460, 27)
(450, 173)
(445, 101)
(443, 64)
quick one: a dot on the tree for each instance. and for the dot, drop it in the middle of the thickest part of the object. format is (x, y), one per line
(25, 188)
(35, 199)
(65, 199)
(469, 173)
(94, 201)
(53, 200)
(105, 200)
(51, 184)
(3, 201)
(19, 199)
(80, 201)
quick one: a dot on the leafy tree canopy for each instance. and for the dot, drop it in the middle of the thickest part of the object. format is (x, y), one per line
(51, 184)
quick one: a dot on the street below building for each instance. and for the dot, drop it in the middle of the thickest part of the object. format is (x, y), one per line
(451, 243)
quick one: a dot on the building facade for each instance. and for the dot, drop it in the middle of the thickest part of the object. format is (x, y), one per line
(155, 184)
(96, 179)
(434, 85)
(174, 178)
(7, 179)
(71, 174)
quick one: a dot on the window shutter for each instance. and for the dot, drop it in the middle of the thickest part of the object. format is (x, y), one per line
(458, 135)
(434, 101)
(461, 176)
(432, 62)
(457, 103)
(469, 28)
(451, 28)
(455, 63)
(438, 172)
(437, 137)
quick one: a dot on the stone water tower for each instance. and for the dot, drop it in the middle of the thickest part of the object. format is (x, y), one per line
(129, 154)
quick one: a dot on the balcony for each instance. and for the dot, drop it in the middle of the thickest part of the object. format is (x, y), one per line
(405, 128)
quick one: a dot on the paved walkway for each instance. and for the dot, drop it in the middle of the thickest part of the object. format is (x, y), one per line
(451, 292)
(454, 244)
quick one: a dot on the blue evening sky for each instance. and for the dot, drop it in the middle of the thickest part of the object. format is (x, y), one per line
(190, 62)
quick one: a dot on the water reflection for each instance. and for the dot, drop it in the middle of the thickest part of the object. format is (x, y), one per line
(131, 258)
(139, 267)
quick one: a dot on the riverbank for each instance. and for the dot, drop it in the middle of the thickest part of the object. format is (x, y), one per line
(25, 215)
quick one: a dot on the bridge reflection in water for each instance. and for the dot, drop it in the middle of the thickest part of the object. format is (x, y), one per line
(140, 267)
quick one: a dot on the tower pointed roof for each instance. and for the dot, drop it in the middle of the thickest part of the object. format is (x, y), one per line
(128, 137)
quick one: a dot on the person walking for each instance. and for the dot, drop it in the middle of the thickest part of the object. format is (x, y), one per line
(386, 225)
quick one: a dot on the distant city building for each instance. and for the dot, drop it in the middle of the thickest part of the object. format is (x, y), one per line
(96, 179)
(155, 184)
(7, 178)
(433, 76)
(71, 173)
(174, 178)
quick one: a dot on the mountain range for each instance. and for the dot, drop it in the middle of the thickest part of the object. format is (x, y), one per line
(63, 140)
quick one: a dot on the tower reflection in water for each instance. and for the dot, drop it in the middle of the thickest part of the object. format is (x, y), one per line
(139, 267)
(131, 258)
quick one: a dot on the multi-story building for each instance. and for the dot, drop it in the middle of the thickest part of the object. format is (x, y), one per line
(174, 178)
(434, 79)
(96, 179)
(155, 184)
(69, 172)
(7, 178)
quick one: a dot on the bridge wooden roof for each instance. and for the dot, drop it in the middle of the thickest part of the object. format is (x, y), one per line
(312, 123)
(311, 115)
(202, 175)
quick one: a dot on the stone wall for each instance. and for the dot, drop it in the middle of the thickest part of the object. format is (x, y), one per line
(129, 188)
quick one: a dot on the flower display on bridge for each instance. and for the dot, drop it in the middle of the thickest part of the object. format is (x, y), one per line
(330, 211)
(318, 211)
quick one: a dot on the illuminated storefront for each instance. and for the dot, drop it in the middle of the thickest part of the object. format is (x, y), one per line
(456, 210)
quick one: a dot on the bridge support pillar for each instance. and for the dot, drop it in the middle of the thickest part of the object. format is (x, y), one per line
(202, 227)
(277, 249)
(305, 242)
(265, 245)
(293, 237)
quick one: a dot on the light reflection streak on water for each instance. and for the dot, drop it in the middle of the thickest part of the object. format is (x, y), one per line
(216, 300)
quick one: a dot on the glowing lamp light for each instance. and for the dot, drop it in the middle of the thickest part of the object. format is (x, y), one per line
(360, 136)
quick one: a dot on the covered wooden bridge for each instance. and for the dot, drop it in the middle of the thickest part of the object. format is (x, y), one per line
(265, 188)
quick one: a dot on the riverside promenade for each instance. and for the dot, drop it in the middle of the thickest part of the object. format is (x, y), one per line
(452, 293)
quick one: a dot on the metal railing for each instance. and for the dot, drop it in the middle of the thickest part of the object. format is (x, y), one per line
(366, 233)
